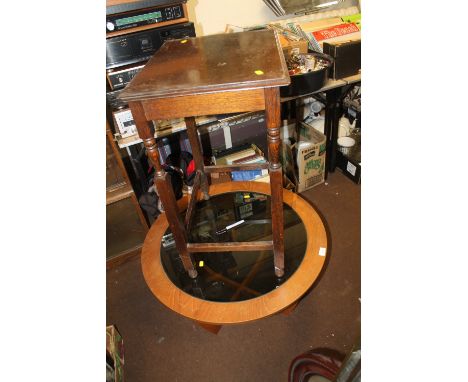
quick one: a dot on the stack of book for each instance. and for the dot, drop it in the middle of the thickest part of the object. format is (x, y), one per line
(245, 154)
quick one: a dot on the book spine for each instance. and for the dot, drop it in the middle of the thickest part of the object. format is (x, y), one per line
(226, 152)
(313, 43)
(245, 159)
(257, 150)
(247, 174)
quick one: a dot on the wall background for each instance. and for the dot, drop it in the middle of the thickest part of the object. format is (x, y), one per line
(211, 16)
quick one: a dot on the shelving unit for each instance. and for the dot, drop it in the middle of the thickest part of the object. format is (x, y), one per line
(125, 222)
(127, 225)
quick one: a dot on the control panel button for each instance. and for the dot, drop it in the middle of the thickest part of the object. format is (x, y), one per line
(169, 14)
(110, 26)
(177, 12)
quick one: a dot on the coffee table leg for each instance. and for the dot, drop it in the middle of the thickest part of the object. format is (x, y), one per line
(197, 154)
(288, 310)
(210, 327)
(273, 123)
(164, 187)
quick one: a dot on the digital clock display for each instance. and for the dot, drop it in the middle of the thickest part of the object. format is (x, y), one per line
(137, 19)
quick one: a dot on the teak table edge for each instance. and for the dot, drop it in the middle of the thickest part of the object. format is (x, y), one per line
(216, 313)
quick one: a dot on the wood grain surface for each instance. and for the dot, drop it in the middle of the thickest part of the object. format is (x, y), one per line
(273, 121)
(197, 153)
(193, 200)
(264, 245)
(110, 3)
(204, 104)
(221, 62)
(216, 313)
(164, 186)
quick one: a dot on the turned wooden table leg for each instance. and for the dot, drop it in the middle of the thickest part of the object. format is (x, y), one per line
(197, 154)
(164, 187)
(272, 115)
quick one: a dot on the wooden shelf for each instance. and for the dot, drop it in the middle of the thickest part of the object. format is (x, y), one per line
(166, 129)
(126, 226)
(122, 257)
(125, 230)
(119, 193)
(111, 3)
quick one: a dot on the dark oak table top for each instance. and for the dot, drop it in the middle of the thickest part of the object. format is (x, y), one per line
(223, 62)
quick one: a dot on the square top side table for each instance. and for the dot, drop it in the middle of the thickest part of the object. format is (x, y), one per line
(218, 74)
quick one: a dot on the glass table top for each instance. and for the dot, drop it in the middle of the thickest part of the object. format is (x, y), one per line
(234, 275)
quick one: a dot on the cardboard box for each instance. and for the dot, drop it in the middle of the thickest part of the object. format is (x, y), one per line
(287, 162)
(304, 163)
(288, 46)
(311, 151)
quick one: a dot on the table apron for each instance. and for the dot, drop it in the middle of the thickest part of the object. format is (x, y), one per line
(204, 104)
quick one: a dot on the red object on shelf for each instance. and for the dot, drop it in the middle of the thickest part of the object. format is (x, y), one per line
(335, 31)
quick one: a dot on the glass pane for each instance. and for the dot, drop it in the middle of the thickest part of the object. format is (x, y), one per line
(235, 276)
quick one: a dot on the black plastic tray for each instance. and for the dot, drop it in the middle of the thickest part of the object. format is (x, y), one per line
(308, 82)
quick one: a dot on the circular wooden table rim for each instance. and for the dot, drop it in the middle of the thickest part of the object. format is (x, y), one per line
(220, 313)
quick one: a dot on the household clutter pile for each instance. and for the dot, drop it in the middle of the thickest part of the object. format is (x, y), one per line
(305, 63)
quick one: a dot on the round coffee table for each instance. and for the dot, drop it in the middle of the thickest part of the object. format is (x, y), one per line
(236, 287)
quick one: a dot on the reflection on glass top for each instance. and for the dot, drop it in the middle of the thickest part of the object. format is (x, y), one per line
(235, 276)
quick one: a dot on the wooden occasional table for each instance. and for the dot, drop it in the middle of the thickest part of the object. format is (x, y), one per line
(235, 287)
(218, 74)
